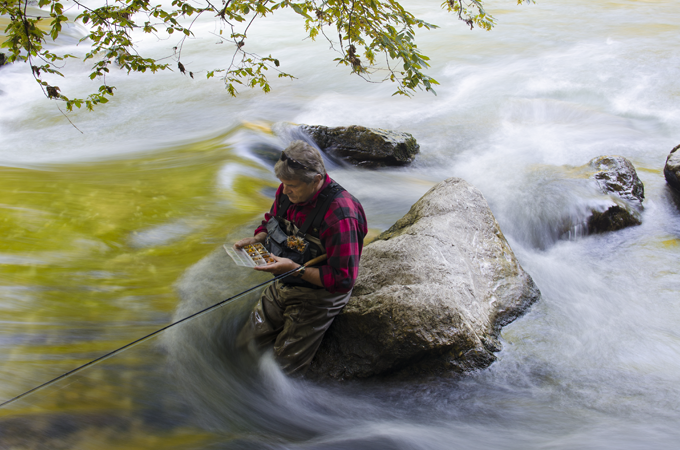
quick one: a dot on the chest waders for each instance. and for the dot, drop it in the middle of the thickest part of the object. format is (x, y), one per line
(286, 240)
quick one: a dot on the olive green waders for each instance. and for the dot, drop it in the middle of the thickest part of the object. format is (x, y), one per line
(294, 319)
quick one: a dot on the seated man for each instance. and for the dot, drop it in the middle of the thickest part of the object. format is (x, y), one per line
(312, 215)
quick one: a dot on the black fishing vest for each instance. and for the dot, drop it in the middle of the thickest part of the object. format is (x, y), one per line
(302, 244)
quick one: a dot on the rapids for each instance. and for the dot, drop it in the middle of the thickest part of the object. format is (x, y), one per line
(101, 230)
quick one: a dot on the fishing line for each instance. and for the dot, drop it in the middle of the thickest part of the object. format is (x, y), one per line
(316, 260)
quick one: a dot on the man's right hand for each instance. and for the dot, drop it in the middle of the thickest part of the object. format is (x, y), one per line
(260, 237)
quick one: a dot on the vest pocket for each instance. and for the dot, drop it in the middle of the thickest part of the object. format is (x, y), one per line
(275, 232)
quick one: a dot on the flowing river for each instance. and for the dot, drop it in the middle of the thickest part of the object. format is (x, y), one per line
(102, 231)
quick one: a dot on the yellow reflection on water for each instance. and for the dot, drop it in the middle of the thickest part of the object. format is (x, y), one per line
(671, 243)
(89, 255)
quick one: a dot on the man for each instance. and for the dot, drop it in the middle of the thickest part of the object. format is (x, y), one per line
(311, 215)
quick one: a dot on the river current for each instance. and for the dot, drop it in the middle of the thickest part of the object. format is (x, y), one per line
(102, 231)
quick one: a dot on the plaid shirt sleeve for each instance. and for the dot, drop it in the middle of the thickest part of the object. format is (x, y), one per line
(343, 236)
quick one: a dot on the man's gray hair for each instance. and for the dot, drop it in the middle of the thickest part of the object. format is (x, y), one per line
(306, 155)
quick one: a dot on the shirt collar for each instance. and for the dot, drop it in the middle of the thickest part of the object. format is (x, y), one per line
(312, 201)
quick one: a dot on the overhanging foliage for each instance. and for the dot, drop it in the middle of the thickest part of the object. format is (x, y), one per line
(375, 39)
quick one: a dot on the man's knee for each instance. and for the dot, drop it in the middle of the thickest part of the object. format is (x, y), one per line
(262, 326)
(297, 344)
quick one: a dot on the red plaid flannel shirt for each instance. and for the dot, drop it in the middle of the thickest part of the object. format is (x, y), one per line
(342, 234)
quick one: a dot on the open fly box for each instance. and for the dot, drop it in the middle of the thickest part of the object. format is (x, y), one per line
(250, 255)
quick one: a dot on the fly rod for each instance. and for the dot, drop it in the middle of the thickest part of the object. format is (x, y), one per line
(312, 262)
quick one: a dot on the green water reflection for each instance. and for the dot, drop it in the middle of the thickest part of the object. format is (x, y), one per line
(89, 255)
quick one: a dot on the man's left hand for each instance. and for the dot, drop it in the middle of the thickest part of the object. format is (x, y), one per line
(282, 265)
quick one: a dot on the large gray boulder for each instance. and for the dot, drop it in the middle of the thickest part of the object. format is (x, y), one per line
(432, 295)
(672, 169)
(616, 177)
(364, 147)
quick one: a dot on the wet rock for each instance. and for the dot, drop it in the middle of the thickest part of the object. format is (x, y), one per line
(432, 295)
(571, 202)
(616, 177)
(672, 169)
(267, 152)
(3, 60)
(364, 147)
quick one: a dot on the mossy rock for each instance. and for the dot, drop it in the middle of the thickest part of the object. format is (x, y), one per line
(616, 177)
(364, 147)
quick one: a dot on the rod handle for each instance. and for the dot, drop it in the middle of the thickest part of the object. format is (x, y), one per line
(316, 260)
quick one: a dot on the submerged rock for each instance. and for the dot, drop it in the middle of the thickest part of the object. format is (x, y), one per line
(364, 147)
(616, 177)
(672, 169)
(432, 295)
(571, 202)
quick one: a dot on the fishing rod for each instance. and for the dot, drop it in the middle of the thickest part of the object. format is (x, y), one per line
(312, 262)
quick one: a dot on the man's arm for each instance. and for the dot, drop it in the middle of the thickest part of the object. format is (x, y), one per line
(343, 242)
(343, 238)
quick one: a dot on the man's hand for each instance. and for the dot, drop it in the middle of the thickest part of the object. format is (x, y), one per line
(282, 265)
(260, 237)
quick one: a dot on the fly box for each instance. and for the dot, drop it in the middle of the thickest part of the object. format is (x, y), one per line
(250, 255)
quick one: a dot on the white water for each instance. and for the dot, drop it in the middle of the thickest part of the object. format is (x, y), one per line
(595, 364)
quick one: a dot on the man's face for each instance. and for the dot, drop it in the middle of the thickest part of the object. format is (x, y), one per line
(298, 191)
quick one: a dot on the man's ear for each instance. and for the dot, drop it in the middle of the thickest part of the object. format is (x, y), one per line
(318, 177)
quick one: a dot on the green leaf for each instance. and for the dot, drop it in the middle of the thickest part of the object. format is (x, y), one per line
(300, 11)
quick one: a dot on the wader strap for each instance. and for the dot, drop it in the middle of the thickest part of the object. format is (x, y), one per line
(323, 202)
(282, 207)
(315, 217)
